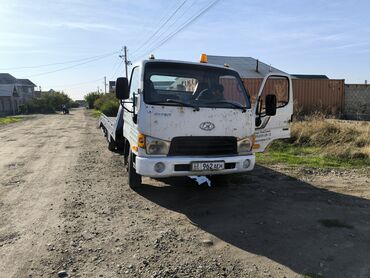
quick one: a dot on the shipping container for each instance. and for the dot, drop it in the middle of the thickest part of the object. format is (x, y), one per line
(310, 95)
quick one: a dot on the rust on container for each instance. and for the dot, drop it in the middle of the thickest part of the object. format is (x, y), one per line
(310, 95)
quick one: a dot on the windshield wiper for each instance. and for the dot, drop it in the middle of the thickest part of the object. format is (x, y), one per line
(186, 104)
(237, 105)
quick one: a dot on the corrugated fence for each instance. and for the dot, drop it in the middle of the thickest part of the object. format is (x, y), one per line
(325, 95)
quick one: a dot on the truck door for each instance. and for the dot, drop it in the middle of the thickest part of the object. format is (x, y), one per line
(271, 127)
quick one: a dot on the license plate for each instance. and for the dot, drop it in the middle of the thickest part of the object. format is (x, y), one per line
(207, 166)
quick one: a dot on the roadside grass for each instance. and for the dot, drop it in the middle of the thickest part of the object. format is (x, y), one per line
(10, 119)
(324, 143)
(94, 113)
(312, 276)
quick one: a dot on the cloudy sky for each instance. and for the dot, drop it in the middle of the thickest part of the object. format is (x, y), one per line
(71, 45)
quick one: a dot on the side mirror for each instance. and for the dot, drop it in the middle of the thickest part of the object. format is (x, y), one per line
(270, 105)
(122, 89)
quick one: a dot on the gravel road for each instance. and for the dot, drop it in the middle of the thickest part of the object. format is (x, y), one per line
(65, 206)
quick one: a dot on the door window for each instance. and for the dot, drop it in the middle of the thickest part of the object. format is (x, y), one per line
(278, 86)
(135, 81)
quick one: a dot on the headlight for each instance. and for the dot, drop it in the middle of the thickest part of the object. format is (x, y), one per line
(157, 146)
(245, 145)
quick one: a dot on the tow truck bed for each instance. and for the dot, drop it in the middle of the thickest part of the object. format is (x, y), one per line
(112, 128)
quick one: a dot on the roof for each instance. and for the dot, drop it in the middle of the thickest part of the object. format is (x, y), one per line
(245, 66)
(25, 82)
(310, 76)
(144, 62)
(6, 78)
(6, 90)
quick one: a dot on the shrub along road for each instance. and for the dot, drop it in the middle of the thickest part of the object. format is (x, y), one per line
(65, 206)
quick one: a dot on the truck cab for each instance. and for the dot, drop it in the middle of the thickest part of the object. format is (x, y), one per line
(190, 119)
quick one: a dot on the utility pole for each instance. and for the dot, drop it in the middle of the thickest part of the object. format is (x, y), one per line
(126, 61)
(98, 90)
(105, 84)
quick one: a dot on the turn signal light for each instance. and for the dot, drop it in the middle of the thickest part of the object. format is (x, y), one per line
(256, 146)
(141, 140)
(203, 58)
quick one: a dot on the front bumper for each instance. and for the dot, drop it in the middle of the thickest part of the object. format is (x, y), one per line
(181, 166)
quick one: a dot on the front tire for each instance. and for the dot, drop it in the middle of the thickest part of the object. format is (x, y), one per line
(134, 179)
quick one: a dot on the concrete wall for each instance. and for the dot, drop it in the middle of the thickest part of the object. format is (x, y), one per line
(357, 101)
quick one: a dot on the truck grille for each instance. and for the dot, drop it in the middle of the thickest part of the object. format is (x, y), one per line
(203, 146)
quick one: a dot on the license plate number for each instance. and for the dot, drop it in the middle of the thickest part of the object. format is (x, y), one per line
(208, 166)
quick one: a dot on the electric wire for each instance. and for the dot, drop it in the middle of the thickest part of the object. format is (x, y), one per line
(161, 26)
(61, 63)
(162, 34)
(73, 66)
(146, 33)
(182, 27)
(116, 71)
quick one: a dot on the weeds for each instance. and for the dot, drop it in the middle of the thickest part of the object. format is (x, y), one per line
(95, 113)
(10, 119)
(320, 142)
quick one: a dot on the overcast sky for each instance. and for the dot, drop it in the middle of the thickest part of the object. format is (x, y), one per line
(313, 37)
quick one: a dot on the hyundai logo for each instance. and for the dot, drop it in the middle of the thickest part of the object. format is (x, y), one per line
(208, 126)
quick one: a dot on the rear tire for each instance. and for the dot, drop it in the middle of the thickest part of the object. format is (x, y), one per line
(134, 179)
(111, 145)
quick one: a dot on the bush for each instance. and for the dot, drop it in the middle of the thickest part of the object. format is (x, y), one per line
(74, 104)
(47, 103)
(91, 98)
(107, 104)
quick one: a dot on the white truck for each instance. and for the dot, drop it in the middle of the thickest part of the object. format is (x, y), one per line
(194, 119)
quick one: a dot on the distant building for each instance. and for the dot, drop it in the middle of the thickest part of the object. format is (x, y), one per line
(247, 67)
(112, 86)
(309, 76)
(14, 92)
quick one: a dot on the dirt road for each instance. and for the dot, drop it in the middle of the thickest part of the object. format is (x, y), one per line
(65, 205)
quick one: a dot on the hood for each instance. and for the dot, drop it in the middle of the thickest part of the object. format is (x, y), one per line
(167, 122)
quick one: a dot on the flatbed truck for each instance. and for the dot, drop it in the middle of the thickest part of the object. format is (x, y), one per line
(181, 118)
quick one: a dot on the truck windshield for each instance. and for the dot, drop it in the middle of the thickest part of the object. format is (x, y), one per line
(179, 84)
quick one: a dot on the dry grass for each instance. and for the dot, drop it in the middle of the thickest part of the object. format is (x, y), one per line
(324, 143)
(335, 138)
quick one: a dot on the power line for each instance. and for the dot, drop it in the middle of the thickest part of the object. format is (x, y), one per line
(146, 33)
(182, 27)
(78, 84)
(161, 26)
(116, 67)
(60, 63)
(163, 33)
(73, 66)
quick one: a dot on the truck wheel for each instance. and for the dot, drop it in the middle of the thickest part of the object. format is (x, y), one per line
(134, 179)
(111, 145)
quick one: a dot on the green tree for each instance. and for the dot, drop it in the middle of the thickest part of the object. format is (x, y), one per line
(91, 98)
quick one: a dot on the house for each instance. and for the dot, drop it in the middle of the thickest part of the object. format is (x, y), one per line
(247, 67)
(8, 99)
(13, 93)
